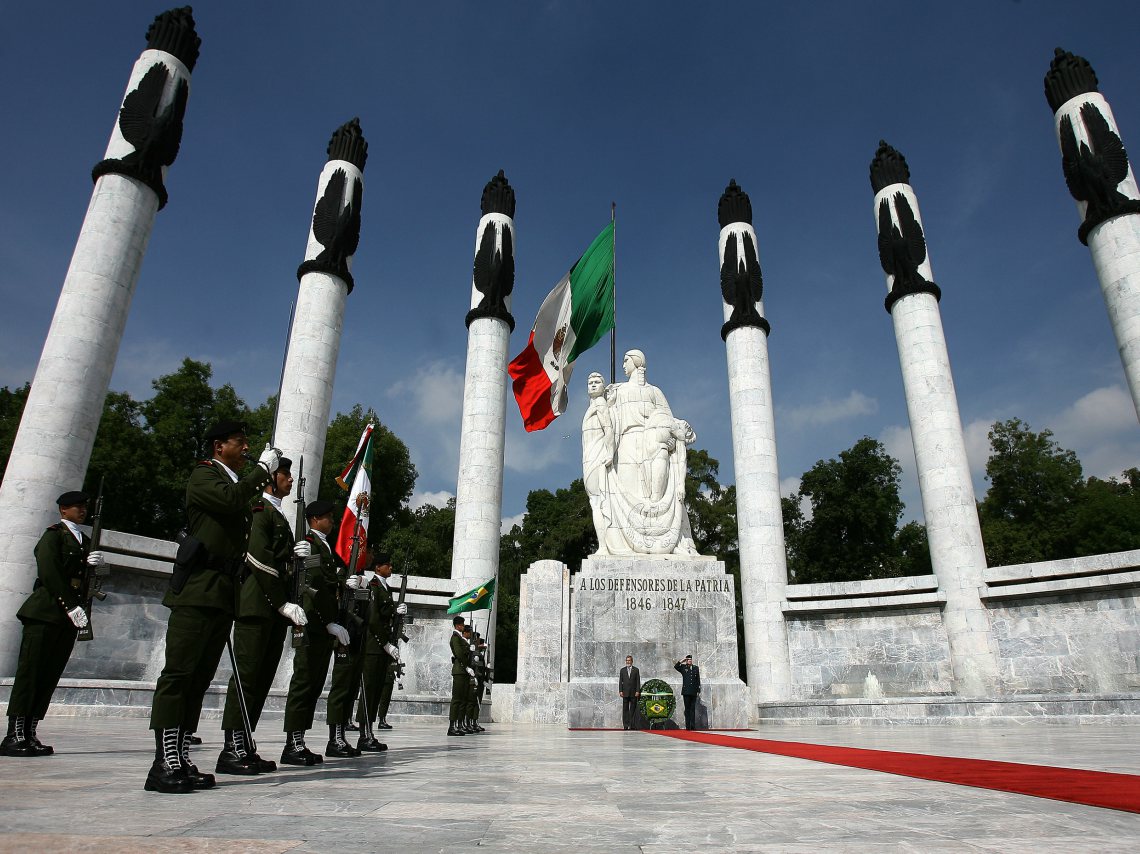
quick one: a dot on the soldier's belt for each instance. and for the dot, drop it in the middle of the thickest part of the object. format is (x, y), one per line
(226, 566)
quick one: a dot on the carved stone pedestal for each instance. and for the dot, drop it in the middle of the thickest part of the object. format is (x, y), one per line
(657, 609)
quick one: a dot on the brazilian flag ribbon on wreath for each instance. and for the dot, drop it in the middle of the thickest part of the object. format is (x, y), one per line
(478, 599)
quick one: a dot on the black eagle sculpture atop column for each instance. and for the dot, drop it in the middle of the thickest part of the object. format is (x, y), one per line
(741, 282)
(1093, 169)
(493, 273)
(155, 131)
(902, 247)
(336, 216)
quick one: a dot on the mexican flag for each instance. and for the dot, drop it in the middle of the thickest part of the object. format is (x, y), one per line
(572, 319)
(478, 599)
(357, 479)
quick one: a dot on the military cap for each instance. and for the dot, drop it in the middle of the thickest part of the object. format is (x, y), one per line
(70, 499)
(317, 508)
(381, 558)
(284, 464)
(223, 430)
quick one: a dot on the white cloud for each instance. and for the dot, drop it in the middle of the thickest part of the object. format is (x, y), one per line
(434, 395)
(1102, 413)
(789, 486)
(435, 499)
(529, 453)
(510, 521)
(830, 411)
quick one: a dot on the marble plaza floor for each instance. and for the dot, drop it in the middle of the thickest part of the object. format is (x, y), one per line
(543, 789)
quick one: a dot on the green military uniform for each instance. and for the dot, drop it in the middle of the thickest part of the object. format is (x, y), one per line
(202, 614)
(379, 666)
(460, 679)
(479, 657)
(49, 634)
(311, 662)
(259, 630)
(348, 661)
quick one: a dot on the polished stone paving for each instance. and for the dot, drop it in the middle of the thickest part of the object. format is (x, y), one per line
(544, 789)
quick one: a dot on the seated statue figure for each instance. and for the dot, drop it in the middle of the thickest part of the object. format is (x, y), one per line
(641, 492)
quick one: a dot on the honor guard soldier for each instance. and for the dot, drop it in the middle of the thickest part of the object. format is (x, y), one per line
(264, 614)
(381, 657)
(52, 617)
(461, 675)
(471, 710)
(348, 665)
(311, 662)
(203, 599)
(482, 676)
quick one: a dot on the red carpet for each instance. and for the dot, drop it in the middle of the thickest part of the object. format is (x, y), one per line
(1094, 788)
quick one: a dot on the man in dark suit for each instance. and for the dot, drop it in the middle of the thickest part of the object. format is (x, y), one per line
(690, 688)
(629, 689)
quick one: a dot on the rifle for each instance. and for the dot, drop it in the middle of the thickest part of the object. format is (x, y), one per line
(93, 575)
(300, 528)
(398, 635)
(347, 615)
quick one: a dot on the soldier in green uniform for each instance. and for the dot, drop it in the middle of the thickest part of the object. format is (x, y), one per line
(348, 664)
(264, 614)
(311, 662)
(203, 599)
(471, 709)
(482, 673)
(380, 655)
(461, 675)
(52, 617)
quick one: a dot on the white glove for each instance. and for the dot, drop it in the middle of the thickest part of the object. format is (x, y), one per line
(402, 609)
(470, 672)
(294, 613)
(353, 582)
(270, 458)
(392, 651)
(302, 549)
(96, 559)
(78, 616)
(338, 632)
(471, 647)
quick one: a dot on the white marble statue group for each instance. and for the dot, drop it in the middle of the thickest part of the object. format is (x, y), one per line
(633, 466)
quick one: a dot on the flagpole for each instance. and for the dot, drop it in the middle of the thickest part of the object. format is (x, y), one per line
(613, 276)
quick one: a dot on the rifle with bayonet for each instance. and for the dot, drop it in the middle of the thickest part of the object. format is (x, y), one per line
(93, 575)
(300, 564)
(398, 635)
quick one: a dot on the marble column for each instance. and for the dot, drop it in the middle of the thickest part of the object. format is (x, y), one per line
(763, 558)
(947, 490)
(325, 281)
(53, 444)
(479, 489)
(1101, 180)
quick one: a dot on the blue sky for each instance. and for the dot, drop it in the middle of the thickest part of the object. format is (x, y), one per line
(654, 105)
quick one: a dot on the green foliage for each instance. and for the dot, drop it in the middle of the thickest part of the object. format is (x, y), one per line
(11, 409)
(853, 530)
(420, 541)
(1030, 510)
(1107, 515)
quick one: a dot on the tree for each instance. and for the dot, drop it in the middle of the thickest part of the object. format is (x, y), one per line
(420, 541)
(1035, 485)
(11, 411)
(1107, 517)
(123, 461)
(853, 530)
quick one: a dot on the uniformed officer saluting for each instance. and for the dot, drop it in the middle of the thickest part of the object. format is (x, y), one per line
(52, 616)
(202, 599)
(264, 613)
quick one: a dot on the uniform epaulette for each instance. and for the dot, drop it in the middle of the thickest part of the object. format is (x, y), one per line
(209, 463)
(257, 506)
(58, 526)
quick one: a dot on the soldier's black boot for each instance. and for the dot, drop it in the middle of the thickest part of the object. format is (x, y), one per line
(453, 728)
(234, 759)
(337, 747)
(383, 724)
(369, 743)
(166, 772)
(264, 766)
(296, 753)
(197, 778)
(467, 727)
(16, 741)
(38, 746)
(475, 725)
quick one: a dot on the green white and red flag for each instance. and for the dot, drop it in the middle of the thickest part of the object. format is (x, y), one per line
(572, 319)
(357, 479)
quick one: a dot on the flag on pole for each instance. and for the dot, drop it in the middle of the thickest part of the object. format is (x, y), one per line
(357, 479)
(572, 319)
(478, 599)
